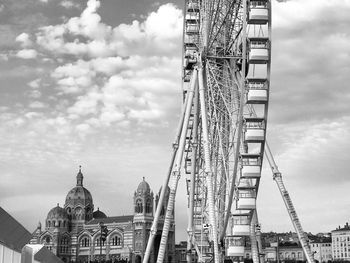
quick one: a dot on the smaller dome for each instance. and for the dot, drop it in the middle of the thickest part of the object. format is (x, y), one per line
(98, 214)
(57, 213)
(143, 187)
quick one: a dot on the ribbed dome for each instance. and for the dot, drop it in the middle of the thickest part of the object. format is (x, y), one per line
(79, 194)
(98, 214)
(57, 213)
(143, 187)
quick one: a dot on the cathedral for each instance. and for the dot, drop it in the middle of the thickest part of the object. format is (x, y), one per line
(74, 232)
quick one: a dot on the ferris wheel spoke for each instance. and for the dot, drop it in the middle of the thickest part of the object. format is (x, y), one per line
(217, 28)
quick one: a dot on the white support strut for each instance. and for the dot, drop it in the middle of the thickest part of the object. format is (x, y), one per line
(175, 176)
(165, 184)
(208, 172)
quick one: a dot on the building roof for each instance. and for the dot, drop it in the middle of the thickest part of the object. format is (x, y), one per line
(112, 219)
(46, 256)
(143, 187)
(57, 213)
(345, 228)
(12, 234)
(98, 214)
(322, 240)
(41, 254)
(79, 194)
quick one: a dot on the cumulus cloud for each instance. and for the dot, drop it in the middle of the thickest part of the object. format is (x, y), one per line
(24, 40)
(34, 83)
(69, 4)
(123, 40)
(113, 75)
(37, 105)
(27, 54)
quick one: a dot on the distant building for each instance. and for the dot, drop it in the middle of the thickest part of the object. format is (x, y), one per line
(284, 253)
(321, 249)
(73, 231)
(341, 243)
(181, 253)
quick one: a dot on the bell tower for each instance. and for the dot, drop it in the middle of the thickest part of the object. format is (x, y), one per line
(143, 217)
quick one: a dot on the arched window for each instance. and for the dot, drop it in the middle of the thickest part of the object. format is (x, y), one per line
(47, 241)
(98, 242)
(64, 241)
(148, 206)
(85, 242)
(115, 241)
(78, 213)
(49, 223)
(64, 245)
(139, 208)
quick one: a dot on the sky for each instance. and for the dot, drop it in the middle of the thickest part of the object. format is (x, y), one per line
(98, 84)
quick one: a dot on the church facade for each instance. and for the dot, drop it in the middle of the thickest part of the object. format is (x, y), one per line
(73, 232)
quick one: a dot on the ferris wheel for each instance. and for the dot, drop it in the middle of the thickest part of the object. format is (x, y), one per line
(227, 45)
(220, 141)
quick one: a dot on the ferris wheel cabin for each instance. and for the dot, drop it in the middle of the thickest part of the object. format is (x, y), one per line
(258, 12)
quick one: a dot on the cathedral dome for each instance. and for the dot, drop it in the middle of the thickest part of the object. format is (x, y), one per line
(98, 214)
(57, 213)
(143, 187)
(79, 194)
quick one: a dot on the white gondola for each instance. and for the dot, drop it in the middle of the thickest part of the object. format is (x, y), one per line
(235, 247)
(258, 50)
(246, 200)
(241, 225)
(241, 230)
(258, 56)
(248, 203)
(257, 96)
(191, 40)
(258, 12)
(193, 6)
(192, 28)
(251, 171)
(254, 135)
(192, 16)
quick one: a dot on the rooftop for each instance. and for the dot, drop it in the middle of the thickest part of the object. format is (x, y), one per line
(112, 219)
(345, 228)
(12, 234)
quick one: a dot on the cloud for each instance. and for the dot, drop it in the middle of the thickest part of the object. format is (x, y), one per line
(301, 48)
(114, 75)
(93, 38)
(24, 40)
(27, 54)
(34, 83)
(37, 105)
(69, 4)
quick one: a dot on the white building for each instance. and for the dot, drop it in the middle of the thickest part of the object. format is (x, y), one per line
(322, 250)
(341, 243)
(13, 236)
